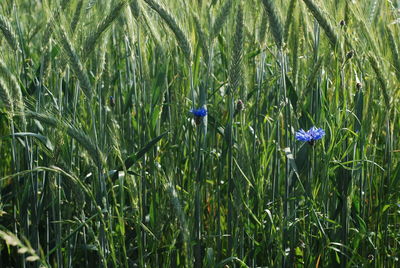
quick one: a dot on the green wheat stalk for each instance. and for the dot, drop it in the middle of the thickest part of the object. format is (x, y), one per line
(263, 26)
(93, 38)
(83, 139)
(235, 73)
(289, 18)
(77, 16)
(5, 97)
(201, 35)
(183, 41)
(323, 21)
(221, 18)
(135, 8)
(395, 52)
(16, 93)
(75, 62)
(381, 79)
(9, 33)
(275, 23)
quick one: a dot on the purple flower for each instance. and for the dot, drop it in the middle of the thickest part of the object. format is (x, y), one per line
(311, 135)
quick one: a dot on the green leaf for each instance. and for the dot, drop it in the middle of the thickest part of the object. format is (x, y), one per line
(385, 207)
(133, 158)
(291, 93)
(43, 139)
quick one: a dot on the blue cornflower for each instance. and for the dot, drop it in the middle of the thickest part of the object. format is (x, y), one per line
(198, 114)
(311, 135)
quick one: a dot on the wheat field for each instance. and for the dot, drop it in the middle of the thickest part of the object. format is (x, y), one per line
(199, 133)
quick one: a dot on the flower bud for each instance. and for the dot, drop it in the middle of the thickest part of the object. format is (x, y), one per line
(239, 105)
(112, 101)
(350, 54)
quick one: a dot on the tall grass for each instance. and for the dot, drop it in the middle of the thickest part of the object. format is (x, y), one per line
(102, 164)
